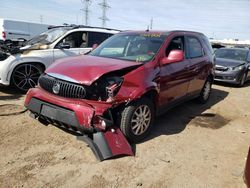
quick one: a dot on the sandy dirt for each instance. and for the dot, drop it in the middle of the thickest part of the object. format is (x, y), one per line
(192, 145)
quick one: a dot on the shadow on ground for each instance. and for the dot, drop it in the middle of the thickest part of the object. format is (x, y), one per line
(176, 120)
(9, 93)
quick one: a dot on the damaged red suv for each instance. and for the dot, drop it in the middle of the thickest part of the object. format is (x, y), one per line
(124, 83)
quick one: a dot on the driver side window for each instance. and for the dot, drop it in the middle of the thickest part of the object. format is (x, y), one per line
(177, 43)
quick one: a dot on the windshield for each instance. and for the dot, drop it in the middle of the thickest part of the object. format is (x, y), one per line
(131, 47)
(48, 37)
(235, 54)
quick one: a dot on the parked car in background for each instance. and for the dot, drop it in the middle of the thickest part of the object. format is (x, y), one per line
(232, 65)
(23, 66)
(14, 31)
(247, 170)
(124, 82)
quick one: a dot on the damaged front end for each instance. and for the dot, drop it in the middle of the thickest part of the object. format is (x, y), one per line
(86, 111)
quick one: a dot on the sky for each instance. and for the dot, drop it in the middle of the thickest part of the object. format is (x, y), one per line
(218, 19)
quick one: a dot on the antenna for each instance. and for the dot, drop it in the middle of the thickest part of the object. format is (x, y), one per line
(104, 5)
(86, 4)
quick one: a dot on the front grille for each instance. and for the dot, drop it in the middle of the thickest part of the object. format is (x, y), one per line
(62, 88)
(221, 68)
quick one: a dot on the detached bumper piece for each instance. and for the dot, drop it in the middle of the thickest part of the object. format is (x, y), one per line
(105, 144)
(108, 144)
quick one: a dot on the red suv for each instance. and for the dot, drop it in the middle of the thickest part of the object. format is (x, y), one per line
(124, 83)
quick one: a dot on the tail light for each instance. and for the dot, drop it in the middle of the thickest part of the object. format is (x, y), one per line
(4, 35)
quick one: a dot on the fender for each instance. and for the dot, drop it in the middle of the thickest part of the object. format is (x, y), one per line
(21, 59)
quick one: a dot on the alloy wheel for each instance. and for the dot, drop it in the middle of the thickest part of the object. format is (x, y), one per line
(26, 76)
(141, 120)
(207, 89)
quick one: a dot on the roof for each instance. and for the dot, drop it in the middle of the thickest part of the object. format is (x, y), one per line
(163, 32)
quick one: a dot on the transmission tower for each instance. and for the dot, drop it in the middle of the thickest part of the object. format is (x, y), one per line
(105, 6)
(85, 9)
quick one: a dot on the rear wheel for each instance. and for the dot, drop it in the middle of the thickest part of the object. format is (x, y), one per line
(137, 119)
(25, 76)
(205, 92)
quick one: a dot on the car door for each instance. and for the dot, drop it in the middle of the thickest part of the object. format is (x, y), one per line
(174, 77)
(71, 45)
(90, 39)
(197, 58)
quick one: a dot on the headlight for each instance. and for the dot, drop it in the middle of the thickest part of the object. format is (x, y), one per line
(236, 68)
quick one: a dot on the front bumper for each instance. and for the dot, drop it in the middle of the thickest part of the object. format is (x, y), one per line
(232, 77)
(77, 114)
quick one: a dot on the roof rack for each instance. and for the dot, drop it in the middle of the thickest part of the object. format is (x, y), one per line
(80, 26)
(84, 26)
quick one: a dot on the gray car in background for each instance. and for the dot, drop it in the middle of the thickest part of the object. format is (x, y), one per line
(232, 65)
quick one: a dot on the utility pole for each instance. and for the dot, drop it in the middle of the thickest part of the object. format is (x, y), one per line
(41, 19)
(85, 9)
(104, 6)
(151, 24)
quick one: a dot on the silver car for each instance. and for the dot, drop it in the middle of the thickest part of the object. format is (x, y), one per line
(232, 65)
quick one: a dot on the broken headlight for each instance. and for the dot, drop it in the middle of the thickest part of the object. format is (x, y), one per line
(106, 87)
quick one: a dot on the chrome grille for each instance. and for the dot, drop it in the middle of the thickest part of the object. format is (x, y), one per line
(65, 89)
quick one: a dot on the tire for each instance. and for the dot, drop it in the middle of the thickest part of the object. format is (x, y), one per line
(243, 79)
(25, 76)
(137, 119)
(205, 92)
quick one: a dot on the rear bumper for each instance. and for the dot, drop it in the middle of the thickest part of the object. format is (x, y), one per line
(74, 114)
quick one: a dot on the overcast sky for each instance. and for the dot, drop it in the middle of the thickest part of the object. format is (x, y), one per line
(216, 18)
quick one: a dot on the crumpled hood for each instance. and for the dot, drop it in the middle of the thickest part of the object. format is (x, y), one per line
(228, 62)
(86, 69)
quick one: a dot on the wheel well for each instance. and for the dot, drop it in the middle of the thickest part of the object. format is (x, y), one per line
(211, 77)
(152, 95)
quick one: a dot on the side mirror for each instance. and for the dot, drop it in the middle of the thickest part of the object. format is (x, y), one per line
(173, 57)
(63, 45)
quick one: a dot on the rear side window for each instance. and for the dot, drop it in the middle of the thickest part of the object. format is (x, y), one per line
(96, 38)
(195, 48)
(207, 44)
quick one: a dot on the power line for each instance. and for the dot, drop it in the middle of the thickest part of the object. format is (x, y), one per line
(86, 4)
(104, 6)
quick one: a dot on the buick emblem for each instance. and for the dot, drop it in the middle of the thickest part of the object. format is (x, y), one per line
(56, 88)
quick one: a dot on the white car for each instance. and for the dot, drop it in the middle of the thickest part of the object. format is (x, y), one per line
(22, 67)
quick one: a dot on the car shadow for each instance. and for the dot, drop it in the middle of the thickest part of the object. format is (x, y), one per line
(175, 120)
(9, 93)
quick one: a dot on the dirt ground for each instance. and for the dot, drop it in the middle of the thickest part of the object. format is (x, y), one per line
(190, 146)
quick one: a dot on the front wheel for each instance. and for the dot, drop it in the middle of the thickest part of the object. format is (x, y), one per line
(25, 76)
(243, 79)
(205, 92)
(137, 119)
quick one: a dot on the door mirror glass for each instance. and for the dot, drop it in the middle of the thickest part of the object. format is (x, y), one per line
(173, 57)
(64, 45)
